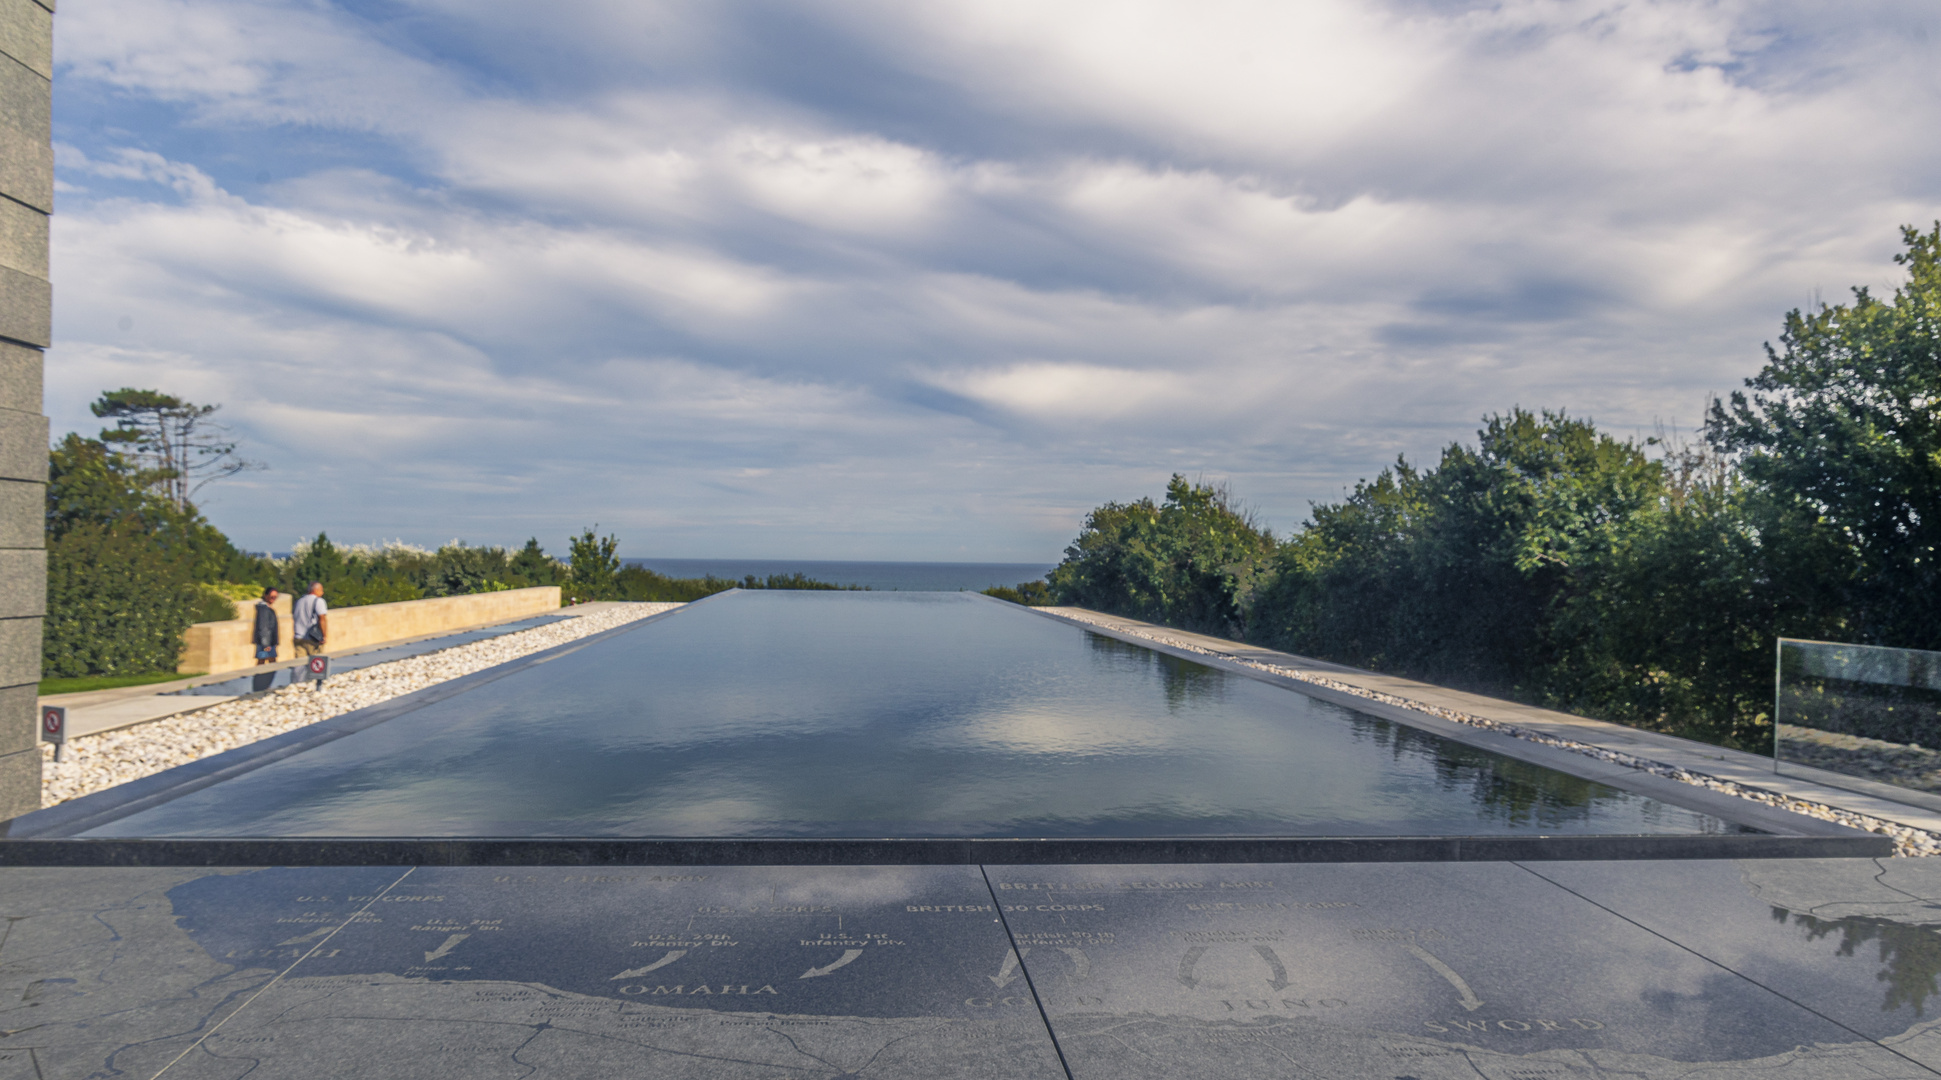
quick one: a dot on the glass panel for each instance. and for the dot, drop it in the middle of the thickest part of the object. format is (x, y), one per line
(809, 714)
(1860, 710)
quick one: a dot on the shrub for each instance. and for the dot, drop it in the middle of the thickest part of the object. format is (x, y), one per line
(1028, 593)
(1189, 562)
(121, 563)
(116, 603)
(214, 604)
(595, 568)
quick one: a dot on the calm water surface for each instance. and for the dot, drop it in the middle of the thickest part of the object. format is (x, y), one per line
(891, 714)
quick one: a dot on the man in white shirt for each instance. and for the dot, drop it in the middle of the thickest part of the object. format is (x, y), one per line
(310, 620)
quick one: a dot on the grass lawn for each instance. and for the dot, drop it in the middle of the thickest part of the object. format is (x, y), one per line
(108, 682)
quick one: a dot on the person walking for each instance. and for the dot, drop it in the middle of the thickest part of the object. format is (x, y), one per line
(266, 628)
(310, 620)
(265, 638)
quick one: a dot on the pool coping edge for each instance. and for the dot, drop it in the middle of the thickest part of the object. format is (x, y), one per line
(898, 851)
(1728, 807)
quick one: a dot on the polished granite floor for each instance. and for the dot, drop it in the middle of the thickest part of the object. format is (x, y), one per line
(1398, 971)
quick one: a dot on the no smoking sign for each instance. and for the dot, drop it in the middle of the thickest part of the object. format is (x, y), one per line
(53, 727)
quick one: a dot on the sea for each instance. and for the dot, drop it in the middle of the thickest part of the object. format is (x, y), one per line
(887, 576)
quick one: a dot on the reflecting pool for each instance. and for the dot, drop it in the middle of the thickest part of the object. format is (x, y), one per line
(818, 714)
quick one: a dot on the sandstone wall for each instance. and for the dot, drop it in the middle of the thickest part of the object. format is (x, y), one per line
(225, 646)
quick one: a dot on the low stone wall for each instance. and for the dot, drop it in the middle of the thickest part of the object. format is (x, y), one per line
(225, 646)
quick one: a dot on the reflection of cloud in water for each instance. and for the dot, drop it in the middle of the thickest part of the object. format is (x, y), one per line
(683, 816)
(1039, 729)
(1910, 955)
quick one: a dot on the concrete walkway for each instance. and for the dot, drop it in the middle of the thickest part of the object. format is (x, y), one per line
(91, 712)
(110, 715)
(1899, 805)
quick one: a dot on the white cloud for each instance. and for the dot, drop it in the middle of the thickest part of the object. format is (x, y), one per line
(1259, 77)
(1071, 391)
(254, 61)
(861, 184)
(871, 279)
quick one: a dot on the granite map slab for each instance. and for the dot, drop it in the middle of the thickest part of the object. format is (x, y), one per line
(1394, 971)
(1852, 939)
(98, 979)
(1410, 971)
(481, 972)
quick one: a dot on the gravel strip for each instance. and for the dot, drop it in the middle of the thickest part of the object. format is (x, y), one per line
(95, 762)
(1907, 840)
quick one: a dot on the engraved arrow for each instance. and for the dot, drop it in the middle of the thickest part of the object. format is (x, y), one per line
(1009, 971)
(450, 944)
(672, 955)
(1279, 981)
(1469, 999)
(1186, 963)
(848, 955)
(311, 936)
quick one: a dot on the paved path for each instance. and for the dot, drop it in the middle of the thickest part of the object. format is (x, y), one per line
(121, 713)
(1912, 808)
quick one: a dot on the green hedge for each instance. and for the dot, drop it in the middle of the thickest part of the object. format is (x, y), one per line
(116, 605)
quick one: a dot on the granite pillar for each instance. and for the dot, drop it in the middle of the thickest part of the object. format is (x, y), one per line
(26, 314)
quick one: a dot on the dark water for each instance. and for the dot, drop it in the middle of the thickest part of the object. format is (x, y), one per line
(891, 714)
(889, 576)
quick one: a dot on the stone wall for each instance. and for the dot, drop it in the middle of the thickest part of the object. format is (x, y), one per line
(225, 646)
(26, 316)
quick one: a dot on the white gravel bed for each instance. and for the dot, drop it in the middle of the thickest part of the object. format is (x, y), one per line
(95, 762)
(1907, 840)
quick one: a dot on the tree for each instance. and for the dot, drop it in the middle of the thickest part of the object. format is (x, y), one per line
(1338, 587)
(117, 604)
(122, 562)
(532, 566)
(461, 569)
(179, 447)
(1452, 573)
(91, 482)
(1670, 626)
(1515, 526)
(595, 568)
(1843, 425)
(1190, 562)
(318, 560)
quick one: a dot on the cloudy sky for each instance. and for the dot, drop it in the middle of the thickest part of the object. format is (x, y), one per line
(876, 279)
